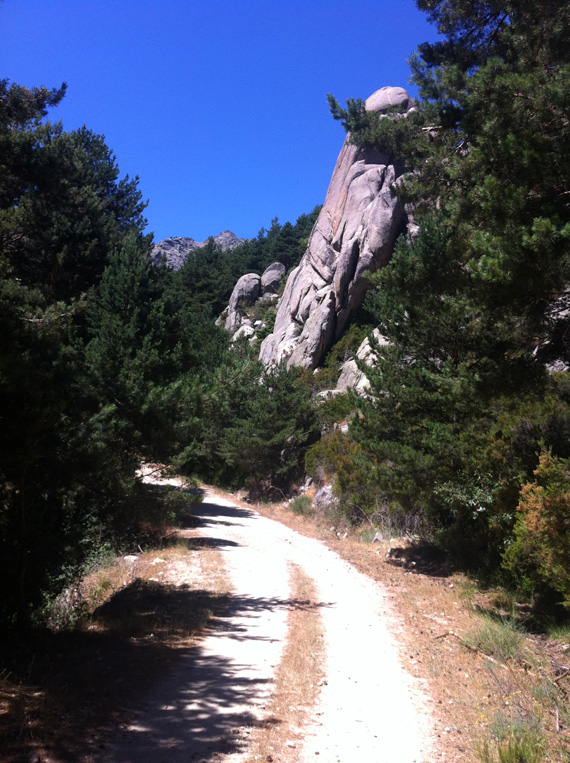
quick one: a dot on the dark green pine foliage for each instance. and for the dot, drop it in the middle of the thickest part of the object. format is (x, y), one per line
(68, 208)
(212, 402)
(461, 399)
(64, 481)
(205, 280)
(107, 359)
(426, 391)
(284, 246)
(244, 425)
(269, 437)
(129, 359)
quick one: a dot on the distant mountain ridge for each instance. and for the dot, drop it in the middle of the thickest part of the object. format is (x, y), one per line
(176, 249)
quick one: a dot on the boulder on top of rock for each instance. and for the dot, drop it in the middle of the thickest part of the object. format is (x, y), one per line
(389, 97)
(354, 235)
(248, 290)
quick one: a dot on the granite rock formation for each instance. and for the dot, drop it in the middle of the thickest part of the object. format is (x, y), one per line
(248, 290)
(271, 278)
(176, 249)
(354, 235)
(351, 377)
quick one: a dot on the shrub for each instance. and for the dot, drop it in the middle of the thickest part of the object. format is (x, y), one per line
(539, 557)
(177, 504)
(524, 747)
(332, 454)
(335, 409)
(345, 349)
(268, 318)
(302, 505)
(501, 639)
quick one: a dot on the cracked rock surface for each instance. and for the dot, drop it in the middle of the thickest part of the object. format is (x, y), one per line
(354, 235)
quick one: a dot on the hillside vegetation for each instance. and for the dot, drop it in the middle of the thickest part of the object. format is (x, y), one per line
(465, 433)
(107, 359)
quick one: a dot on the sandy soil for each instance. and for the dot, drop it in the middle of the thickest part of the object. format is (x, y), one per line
(370, 710)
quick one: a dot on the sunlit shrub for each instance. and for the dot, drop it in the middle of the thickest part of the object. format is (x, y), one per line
(540, 554)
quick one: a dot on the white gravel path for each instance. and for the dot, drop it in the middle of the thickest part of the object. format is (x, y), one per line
(370, 711)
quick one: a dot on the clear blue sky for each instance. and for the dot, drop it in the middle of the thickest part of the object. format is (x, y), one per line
(218, 105)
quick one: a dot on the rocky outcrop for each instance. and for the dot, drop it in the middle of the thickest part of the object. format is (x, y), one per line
(324, 498)
(245, 293)
(354, 235)
(249, 289)
(175, 250)
(271, 278)
(351, 377)
(226, 241)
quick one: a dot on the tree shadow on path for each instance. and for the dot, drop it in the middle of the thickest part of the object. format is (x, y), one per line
(75, 688)
(209, 699)
(210, 513)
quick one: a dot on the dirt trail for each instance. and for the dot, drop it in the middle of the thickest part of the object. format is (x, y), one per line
(370, 710)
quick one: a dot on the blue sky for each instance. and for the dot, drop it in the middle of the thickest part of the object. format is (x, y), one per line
(219, 106)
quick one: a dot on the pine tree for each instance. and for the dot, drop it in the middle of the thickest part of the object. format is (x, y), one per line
(461, 398)
(268, 438)
(63, 210)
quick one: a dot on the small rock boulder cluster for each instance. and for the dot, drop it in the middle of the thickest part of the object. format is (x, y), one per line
(351, 377)
(249, 290)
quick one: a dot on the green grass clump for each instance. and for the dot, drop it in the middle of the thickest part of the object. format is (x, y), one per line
(501, 639)
(467, 590)
(560, 631)
(522, 746)
(302, 505)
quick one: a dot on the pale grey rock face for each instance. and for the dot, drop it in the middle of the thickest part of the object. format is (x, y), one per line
(325, 498)
(269, 297)
(246, 292)
(354, 235)
(175, 250)
(351, 377)
(271, 278)
(226, 240)
(243, 331)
